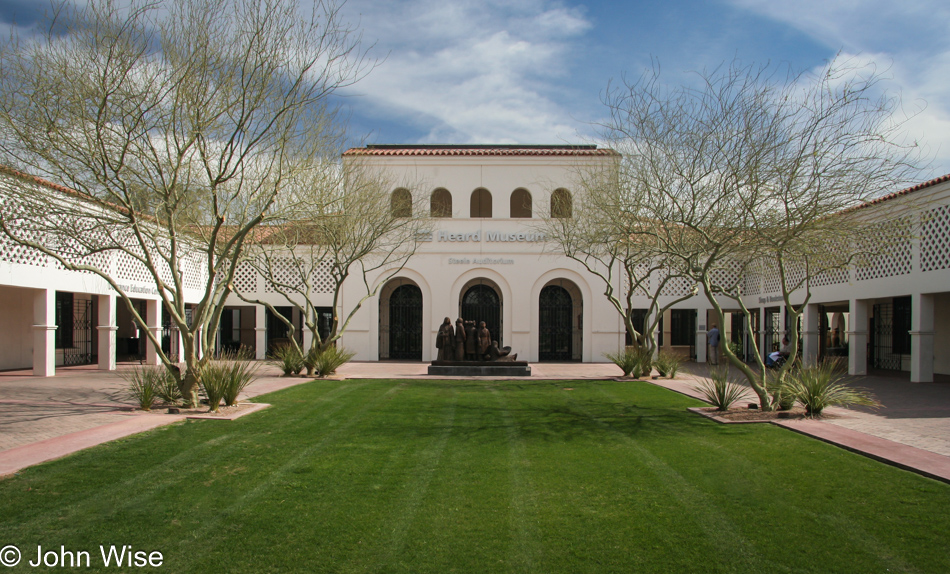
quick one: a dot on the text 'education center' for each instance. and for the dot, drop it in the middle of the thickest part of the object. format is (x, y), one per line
(486, 261)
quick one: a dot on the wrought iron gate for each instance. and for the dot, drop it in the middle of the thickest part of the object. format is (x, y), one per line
(556, 327)
(773, 331)
(890, 334)
(76, 326)
(481, 303)
(742, 337)
(405, 323)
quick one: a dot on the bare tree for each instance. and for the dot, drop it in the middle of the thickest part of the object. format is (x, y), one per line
(752, 169)
(610, 240)
(176, 125)
(347, 222)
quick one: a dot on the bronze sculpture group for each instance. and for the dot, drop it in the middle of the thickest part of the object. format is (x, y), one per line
(465, 342)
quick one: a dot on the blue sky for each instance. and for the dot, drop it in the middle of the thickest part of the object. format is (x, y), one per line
(532, 71)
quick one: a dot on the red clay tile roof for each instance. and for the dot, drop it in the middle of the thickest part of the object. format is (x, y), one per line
(909, 190)
(480, 150)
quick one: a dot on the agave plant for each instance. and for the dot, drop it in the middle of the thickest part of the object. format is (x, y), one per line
(721, 390)
(331, 359)
(143, 384)
(782, 398)
(166, 387)
(634, 362)
(287, 358)
(225, 378)
(825, 385)
(667, 363)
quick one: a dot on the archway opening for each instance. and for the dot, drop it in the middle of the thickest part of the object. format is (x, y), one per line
(400, 321)
(481, 301)
(560, 322)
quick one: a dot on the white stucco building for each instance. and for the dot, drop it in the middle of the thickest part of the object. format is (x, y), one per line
(486, 261)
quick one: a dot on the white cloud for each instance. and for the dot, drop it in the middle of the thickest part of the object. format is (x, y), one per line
(474, 71)
(907, 40)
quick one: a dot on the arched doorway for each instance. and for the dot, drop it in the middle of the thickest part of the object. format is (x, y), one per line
(560, 315)
(403, 328)
(481, 302)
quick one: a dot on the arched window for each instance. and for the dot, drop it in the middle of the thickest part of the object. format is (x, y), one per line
(441, 203)
(481, 203)
(520, 203)
(561, 203)
(401, 203)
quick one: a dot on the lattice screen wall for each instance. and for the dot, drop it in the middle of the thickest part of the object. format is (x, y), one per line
(677, 286)
(893, 258)
(193, 273)
(771, 280)
(322, 280)
(831, 277)
(726, 276)
(131, 269)
(285, 272)
(245, 278)
(751, 283)
(935, 240)
(21, 255)
(641, 290)
(13, 252)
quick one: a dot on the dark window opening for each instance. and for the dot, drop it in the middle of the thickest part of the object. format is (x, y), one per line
(520, 204)
(481, 203)
(401, 203)
(441, 203)
(562, 204)
(682, 327)
(901, 325)
(64, 320)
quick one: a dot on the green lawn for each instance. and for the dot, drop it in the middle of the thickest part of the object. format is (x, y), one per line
(437, 476)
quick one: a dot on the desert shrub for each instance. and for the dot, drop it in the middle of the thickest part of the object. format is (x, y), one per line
(782, 398)
(667, 363)
(287, 358)
(633, 361)
(721, 389)
(824, 385)
(143, 385)
(310, 359)
(331, 359)
(224, 379)
(166, 388)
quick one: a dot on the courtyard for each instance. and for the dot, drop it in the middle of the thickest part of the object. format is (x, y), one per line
(535, 475)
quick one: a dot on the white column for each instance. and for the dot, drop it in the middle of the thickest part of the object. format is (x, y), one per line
(764, 349)
(922, 339)
(701, 343)
(260, 332)
(107, 328)
(44, 333)
(858, 337)
(810, 326)
(153, 319)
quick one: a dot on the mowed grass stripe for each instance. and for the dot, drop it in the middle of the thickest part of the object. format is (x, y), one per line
(339, 419)
(599, 490)
(524, 548)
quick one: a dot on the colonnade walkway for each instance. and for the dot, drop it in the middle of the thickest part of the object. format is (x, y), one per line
(46, 418)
